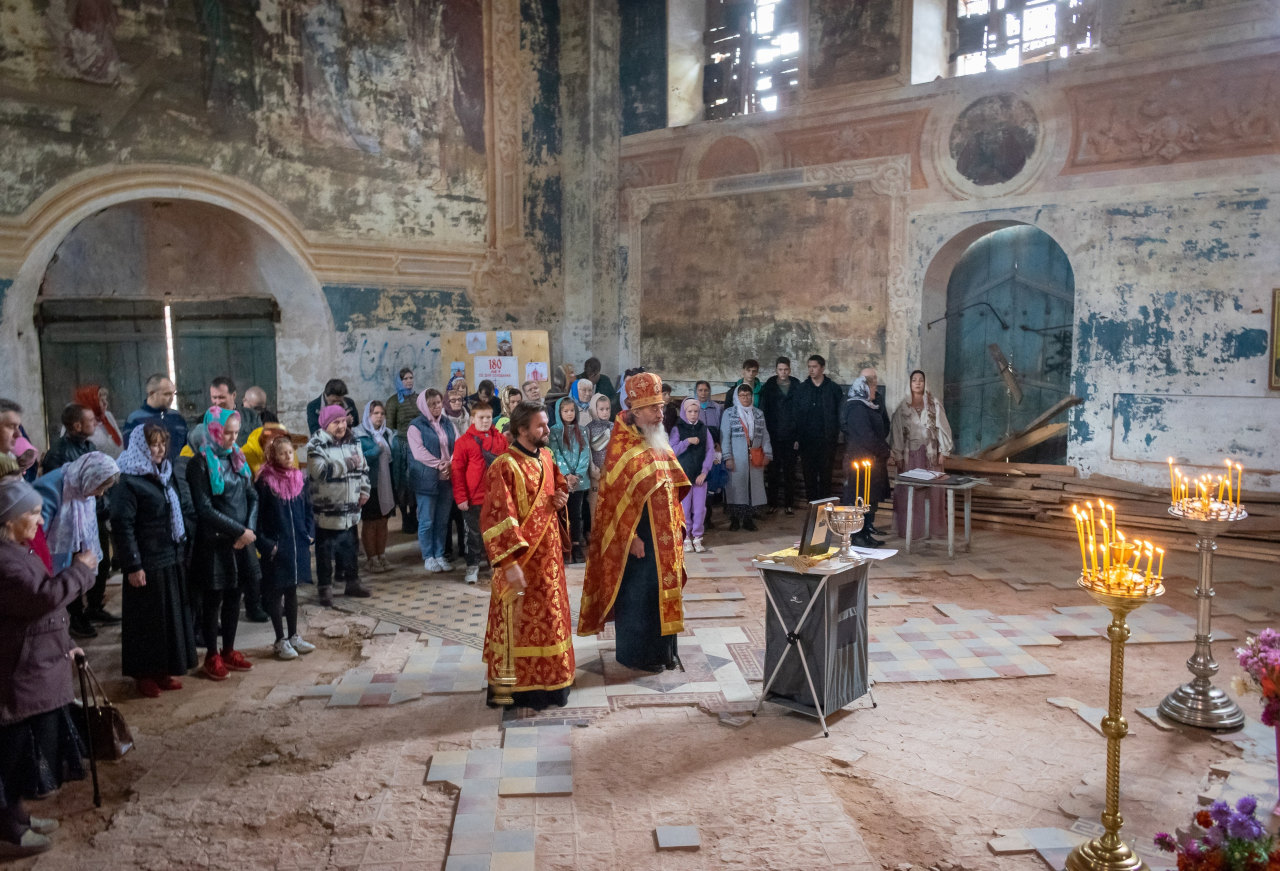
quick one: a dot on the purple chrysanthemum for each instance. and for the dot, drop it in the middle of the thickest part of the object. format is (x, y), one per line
(1247, 805)
(1244, 828)
(1220, 812)
(1166, 842)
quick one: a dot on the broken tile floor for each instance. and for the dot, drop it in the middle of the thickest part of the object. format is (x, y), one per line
(377, 751)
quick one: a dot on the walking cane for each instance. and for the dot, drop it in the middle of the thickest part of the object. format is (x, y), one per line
(88, 727)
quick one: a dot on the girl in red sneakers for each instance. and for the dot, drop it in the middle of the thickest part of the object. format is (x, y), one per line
(479, 446)
(223, 558)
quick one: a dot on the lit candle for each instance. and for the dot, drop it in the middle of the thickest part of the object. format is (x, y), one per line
(867, 483)
(1239, 483)
(1219, 488)
(857, 480)
(1173, 489)
(1160, 568)
(1230, 489)
(1084, 561)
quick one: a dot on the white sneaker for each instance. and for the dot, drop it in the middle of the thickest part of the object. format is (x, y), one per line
(284, 650)
(431, 564)
(473, 574)
(688, 545)
(301, 646)
(42, 826)
(698, 546)
(444, 565)
(32, 842)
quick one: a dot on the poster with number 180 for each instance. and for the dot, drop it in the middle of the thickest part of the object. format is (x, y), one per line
(502, 371)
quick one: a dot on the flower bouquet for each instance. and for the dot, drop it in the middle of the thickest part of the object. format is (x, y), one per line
(1224, 840)
(1260, 657)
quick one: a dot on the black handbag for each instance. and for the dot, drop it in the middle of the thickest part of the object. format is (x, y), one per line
(100, 722)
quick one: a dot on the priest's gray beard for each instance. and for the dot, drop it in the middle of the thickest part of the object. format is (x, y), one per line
(656, 437)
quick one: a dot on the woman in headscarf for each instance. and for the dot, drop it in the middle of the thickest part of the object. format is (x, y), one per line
(581, 393)
(742, 429)
(75, 526)
(865, 439)
(157, 639)
(691, 441)
(375, 443)
(402, 408)
(510, 396)
(106, 436)
(223, 559)
(40, 747)
(920, 438)
(286, 528)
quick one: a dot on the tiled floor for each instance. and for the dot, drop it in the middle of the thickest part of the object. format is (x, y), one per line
(532, 761)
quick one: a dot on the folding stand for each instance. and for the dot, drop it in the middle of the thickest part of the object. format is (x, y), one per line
(836, 636)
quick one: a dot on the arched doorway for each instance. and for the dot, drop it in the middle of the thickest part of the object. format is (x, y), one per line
(1011, 298)
(158, 286)
(274, 244)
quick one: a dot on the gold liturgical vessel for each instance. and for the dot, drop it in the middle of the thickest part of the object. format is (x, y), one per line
(1113, 573)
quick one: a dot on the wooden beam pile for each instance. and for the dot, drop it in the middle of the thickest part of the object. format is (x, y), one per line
(1037, 498)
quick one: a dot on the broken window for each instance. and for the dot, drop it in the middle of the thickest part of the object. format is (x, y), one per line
(753, 57)
(1002, 34)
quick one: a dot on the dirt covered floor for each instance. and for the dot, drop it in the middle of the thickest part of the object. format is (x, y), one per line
(251, 774)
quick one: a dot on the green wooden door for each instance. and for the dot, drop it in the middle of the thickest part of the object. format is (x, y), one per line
(233, 337)
(113, 343)
(1014, 289)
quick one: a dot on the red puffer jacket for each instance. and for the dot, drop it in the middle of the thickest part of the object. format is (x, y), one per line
(469, 466)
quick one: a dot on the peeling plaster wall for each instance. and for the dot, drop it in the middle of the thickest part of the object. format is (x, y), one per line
(363, 119)
(1154, 167)
(1173, 300)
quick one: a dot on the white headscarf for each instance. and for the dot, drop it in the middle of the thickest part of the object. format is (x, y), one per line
(746, 415)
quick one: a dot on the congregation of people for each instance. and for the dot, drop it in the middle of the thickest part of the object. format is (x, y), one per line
(207, 518)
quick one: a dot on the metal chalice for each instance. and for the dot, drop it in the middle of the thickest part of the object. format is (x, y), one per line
(844, 521)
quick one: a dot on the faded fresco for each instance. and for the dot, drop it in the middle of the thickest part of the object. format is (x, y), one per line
(993, 138)
(792, 272)
(853, 42)
(361, 115)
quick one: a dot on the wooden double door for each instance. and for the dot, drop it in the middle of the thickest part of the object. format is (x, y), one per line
(119, 344)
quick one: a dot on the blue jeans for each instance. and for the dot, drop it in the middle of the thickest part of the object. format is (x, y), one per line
(433, 522)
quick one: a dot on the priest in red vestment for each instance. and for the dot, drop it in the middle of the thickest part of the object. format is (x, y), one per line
(529, 636)
(635, 564)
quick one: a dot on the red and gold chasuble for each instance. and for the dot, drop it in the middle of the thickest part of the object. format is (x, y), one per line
(635, 476)
(519, 525)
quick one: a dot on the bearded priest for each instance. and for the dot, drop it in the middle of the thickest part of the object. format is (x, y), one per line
(528, 648)
(635, 563)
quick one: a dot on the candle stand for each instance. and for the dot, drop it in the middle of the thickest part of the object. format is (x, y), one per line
(1199, 703)
(1107, 852)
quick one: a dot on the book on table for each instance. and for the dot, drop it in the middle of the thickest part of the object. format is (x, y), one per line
(923, 475)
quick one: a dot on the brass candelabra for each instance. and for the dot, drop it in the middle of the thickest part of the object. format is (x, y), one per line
(1120, 587)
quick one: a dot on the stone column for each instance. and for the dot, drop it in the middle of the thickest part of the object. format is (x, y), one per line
(591, 115)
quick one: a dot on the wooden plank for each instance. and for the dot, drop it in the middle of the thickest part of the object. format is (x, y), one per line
(993, 467)
(1014, 446)
(1054, 410)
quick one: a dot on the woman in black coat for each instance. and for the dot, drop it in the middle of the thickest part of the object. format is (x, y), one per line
(865, 438)
(223, 558)
(286, 529)
(157, 638)
(40, 746)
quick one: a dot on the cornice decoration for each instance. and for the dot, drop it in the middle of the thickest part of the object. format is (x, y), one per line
(1200, 113)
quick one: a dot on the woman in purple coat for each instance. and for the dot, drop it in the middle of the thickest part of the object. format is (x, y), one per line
(39, 745)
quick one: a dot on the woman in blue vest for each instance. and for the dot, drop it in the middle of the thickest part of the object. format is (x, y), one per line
(431, 440)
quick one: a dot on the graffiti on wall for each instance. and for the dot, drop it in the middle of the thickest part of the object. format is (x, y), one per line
(373, 359)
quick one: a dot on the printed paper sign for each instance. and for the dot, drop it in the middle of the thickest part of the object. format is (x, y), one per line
(535, 372)
(502, 371)
(477, 343)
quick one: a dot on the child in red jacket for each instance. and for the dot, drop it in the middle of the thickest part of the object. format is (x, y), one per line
(474, 451)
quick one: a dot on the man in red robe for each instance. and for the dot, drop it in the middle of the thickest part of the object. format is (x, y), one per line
(635, 563)
(528, 646)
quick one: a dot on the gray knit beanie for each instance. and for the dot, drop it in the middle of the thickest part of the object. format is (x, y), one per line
(17, 497)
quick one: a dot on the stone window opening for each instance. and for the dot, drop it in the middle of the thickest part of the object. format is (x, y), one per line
(752, 57)
(1003, 34)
